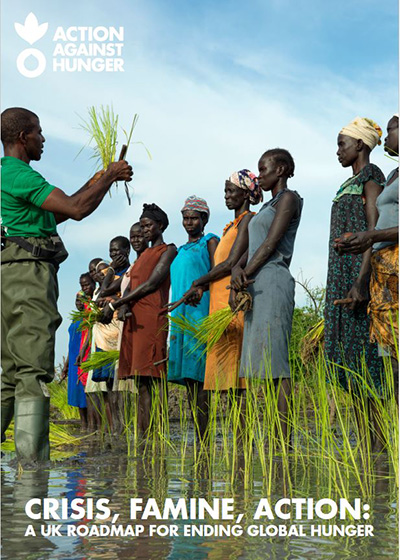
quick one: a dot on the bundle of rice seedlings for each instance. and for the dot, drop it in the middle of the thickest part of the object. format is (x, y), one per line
(209, 330)
(88, 316)
(100, 359)
(59, 402)
(182, 324)
(312, 342)
(212, 327)
(102, 128)
(58, 435)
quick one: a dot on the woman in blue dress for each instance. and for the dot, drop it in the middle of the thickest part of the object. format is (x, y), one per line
(194, 259)
(76, 390)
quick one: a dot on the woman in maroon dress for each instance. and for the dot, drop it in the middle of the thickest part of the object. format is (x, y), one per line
(143, 352)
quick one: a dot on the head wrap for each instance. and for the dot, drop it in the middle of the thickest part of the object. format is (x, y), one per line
(246, 180)
(396, 115)
(154, 212)
(101, 262)
(364, 129)
(196, 203)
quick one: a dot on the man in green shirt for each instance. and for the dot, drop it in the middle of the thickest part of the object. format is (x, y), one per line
(31, 208)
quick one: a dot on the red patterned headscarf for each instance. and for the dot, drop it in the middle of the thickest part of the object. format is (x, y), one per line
(246, 180)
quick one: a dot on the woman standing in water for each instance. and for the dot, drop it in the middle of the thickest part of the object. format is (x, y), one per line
(354, 209)
(194, 259)
(144, 338)
(268, 324)
(222, 363)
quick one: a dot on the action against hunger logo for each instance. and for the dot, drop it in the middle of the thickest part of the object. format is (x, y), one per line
(77, 49)
(31, 32)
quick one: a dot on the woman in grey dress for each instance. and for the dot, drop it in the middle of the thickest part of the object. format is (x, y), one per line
(272, 233)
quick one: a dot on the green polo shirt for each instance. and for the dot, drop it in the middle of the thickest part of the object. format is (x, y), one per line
(23, 191)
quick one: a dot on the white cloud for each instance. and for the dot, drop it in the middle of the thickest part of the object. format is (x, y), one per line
(201, 122)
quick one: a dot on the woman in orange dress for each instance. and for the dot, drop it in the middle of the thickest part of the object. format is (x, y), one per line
(143, 353)
(222, 364)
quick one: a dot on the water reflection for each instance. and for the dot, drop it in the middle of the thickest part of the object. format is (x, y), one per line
(103, 470)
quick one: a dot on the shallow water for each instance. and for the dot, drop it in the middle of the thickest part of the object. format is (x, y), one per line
(101, 469)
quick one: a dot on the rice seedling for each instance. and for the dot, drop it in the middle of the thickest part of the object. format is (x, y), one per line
(311, 342)
(59, 436)
(88, 316)
(98, 360)
(102, 128)
(59, 401)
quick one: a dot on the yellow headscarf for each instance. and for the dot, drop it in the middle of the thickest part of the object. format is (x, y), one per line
(364, 129)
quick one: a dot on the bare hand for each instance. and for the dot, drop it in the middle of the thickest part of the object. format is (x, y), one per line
(232, 299)
(356, 296)
(353, 243)
(107, 314)
(124, 312)
(118, 261)
(120, 170)
(239, 280)
(193, 296)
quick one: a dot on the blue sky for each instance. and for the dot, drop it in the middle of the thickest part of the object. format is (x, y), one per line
(215, 84)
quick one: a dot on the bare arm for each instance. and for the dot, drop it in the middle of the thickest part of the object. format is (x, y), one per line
(156, 278)
(362, 240)
(286, 208)
(87, 199)
(359, 291)
(238, 248)
(212, 245)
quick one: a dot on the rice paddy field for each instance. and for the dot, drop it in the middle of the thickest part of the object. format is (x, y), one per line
(330, 458)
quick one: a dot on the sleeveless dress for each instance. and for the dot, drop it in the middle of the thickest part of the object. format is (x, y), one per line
(222, 363)
(268, 325)
(144, 336)
(346, 331)
(191, 262)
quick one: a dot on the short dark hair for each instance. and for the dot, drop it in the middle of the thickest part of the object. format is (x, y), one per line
(14, 121)
(123, 241)
(95, 261)
(86, 275)
(281, 157)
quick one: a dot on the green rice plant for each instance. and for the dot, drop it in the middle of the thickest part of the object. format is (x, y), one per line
(59, 401)
(59, 436)
(101, 127)
(311, 342)
(207, 331)
(88, 316)
(98, 360)
(131, 428)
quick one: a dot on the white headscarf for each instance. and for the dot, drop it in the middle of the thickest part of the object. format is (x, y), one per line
(364, 129)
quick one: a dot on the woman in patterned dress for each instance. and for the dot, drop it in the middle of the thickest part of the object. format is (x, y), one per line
(354, 209)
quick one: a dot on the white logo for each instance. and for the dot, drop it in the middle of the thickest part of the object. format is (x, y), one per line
(76, 49)
(31, 32)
